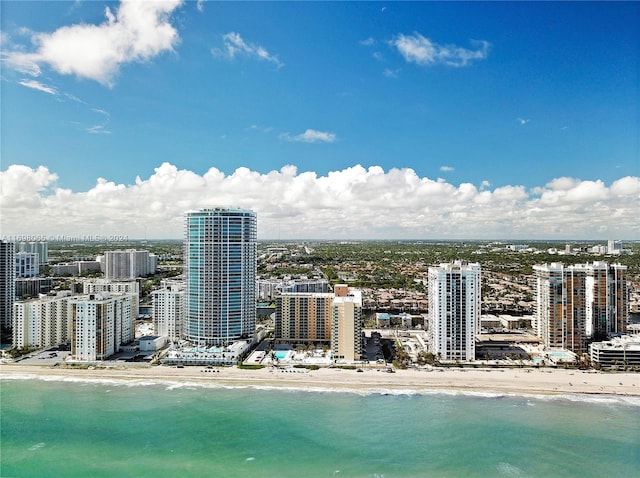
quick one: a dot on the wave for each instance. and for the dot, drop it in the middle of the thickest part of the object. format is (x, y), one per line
(172, 385)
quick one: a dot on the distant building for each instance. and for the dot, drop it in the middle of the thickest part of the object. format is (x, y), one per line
(303, 317)
(101, 324)
(346, 324)
(27, 264)
(580, 303)
(41, 248)
(168, 310)
(75, 268)
(454, 309)
(7, 282)
(32, 286)
(64, 269)
(127, 264)
(269, 288)
(614, 247)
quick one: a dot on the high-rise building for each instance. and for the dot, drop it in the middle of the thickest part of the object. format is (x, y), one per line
(127, 264)
(42, 322)
(220, 268)
(580, 303)
(346, 324)
(27, 264)
(454, 310)
(303, 317)
(41, 248)
(105, 286)
(101, 324)
(7, 282)
(168, 310)
(614, 247)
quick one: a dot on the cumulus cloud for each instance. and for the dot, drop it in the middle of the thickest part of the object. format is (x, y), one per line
(311, 136)
(418, 49)
(356, 202)
(234, 45)
(446, 169)
(136, 32)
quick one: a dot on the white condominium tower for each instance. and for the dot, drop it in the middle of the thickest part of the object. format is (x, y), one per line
(454, 309)
(101, 324)
(168, 310)
(127, 264)
(220, 268)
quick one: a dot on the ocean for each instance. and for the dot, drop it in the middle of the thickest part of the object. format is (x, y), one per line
(73, 428)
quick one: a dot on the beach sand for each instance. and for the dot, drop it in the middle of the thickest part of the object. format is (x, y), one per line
(500, 381)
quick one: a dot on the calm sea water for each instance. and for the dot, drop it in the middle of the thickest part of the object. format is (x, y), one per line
(125, 429)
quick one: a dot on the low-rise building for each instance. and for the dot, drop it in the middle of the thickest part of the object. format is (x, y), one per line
(618, 352)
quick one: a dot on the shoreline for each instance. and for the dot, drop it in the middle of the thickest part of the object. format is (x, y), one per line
(522, 382)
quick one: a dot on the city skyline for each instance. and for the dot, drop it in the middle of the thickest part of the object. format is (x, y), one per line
(347, 120)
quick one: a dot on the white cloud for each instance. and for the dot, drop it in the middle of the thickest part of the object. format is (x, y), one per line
(522, 121)
(368, 42)
(389, 73)
(356, 202)
(36, 85)
(200, 5)
(234, 45)
(311, 136)
(446, 169)
(422, 51)
(137, 32)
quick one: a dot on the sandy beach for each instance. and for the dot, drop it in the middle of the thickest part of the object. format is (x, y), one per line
(500, 381)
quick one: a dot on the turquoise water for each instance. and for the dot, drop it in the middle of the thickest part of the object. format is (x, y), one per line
(282, 354)
(125, 429)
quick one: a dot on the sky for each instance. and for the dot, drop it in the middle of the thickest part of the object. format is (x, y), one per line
(331, 120)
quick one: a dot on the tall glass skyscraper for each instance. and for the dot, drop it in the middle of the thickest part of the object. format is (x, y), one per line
(220, 266)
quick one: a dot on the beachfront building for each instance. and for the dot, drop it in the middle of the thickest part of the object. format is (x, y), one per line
(346, 324)
(27, 264)
(106, 286)
(100, 325)
(454, 310)
(127, 264)
(42, 322)
(580, 303)
(303, 317)
(168, 310)
(620, 352)
(220, 268)
(7, 282)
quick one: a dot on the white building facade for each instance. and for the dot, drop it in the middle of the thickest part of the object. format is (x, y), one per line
(101, 324)
(27, 264)
(127, 264)
(43, 322)
(454, 309)
(168, 310)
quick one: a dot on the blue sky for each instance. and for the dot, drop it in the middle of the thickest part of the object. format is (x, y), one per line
(536, 104)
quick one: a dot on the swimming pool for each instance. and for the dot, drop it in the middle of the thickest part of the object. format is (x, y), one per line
(282, 354)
